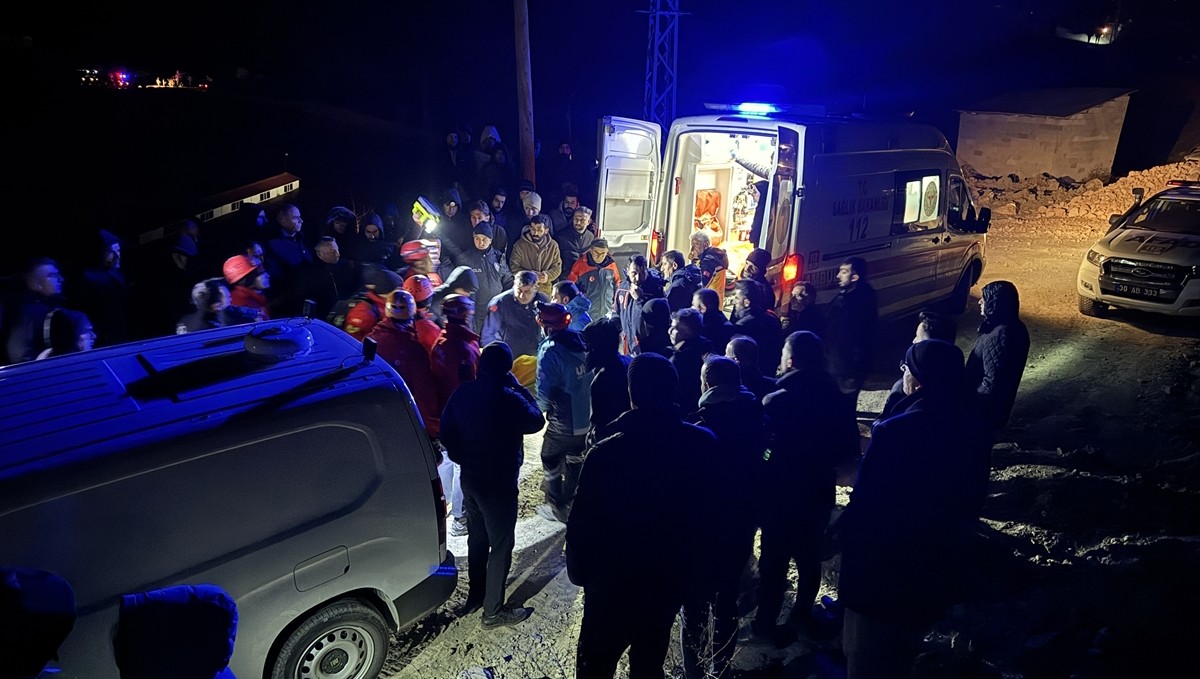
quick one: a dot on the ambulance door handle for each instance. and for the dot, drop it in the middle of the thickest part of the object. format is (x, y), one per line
(935, 239)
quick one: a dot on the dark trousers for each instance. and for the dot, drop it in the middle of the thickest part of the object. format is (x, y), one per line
(491, 505)
(799, 537)
(562, 460)
(876, 649)
(613, 622)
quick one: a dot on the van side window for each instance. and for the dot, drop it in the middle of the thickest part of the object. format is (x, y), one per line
(918, 201)
(958, 202)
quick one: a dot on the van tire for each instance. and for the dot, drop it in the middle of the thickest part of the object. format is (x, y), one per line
(957, 302)
(1090, 307)
(346, 632)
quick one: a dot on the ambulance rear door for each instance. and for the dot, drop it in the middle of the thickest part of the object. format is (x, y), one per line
(630, 158)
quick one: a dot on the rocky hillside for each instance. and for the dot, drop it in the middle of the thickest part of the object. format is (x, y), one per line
(1091, 203)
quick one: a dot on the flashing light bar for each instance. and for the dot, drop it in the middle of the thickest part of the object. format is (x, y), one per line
(1183, 182)
(756, 107)
(765, 109)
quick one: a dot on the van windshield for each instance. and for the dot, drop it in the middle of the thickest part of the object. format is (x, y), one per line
(1169, 215)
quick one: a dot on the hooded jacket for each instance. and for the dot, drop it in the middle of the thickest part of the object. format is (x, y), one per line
(563, 384)
(997, 360)
(460, 278)
(578, 308)
(683, 284)
(609, 390)
(399, 346)
(597, 280)
(537, 254)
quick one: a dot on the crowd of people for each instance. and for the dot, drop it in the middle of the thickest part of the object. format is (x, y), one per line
(674, 431)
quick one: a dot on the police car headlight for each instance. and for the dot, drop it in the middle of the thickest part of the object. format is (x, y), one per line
(1095, 258)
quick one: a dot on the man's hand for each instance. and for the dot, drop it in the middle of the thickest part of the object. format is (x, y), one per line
(543, 276)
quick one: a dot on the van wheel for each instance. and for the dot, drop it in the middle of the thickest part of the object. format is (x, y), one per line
(344, 640)
(1090, 307)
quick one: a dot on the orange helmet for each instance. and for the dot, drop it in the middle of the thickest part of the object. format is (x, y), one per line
(419, 287)
(553, 317)
(414, 250)
(400, 305)
(237, 267)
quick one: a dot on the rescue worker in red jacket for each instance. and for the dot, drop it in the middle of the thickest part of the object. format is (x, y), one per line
(247, 283)
(455, 361)
(359, 315)
(421, 289)
(399, 346)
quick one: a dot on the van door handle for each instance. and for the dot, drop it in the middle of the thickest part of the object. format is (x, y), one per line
(935, 239)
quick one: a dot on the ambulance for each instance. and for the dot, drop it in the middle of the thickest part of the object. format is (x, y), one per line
(810, 188)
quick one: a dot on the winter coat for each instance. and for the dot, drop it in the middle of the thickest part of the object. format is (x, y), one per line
(905, 529)
(399, 346)
(808, 433)
(578, 308)
(683, 284)
(850, 334)
(597, 280)
(616, 542)
(325, 284)
(455, 359)
(460, 278)
(359, 315)
(810, 319)
(538, 255)
(563, 384)
(718, 330)
(106, 298)
(609, 390)
(997, 360)
(247, 297)
(628, 309)
(284, 256)
(764, 328)
(759, 384)
(735, 416)
(688, 359)
(572, 245)
(484, 423)
(492, 278)
(560, 221)
(514, 323)
(428, 333)
(202, 624)
(714, 265)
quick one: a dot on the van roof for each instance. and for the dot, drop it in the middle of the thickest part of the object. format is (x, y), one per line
(842, 134)
(90, 403)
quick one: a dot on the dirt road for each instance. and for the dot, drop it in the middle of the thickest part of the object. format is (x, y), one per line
(1092, 523)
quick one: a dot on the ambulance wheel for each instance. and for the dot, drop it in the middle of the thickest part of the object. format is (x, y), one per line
(1091, 307)
(345, 640)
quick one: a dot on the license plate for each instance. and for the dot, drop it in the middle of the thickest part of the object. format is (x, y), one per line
(1137, 290)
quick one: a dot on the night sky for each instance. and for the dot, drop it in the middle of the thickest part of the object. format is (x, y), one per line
(372, 86)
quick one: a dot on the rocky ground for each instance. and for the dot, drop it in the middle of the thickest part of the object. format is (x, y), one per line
(1090, 540)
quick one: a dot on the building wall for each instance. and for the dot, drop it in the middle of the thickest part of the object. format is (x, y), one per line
(1081, 146)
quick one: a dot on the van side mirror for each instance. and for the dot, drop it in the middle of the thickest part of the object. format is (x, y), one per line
(985, 220)
(1138, 194)
(1113, 220)
(370, 346)
(309, 305)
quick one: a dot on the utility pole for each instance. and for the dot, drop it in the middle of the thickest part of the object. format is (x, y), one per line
(661, 61)
(524, 89)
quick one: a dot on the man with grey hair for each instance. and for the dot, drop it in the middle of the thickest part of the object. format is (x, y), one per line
(512, 316)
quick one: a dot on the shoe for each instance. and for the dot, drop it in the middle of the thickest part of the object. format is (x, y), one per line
(551, 513)
(507, 616)
(458, 527)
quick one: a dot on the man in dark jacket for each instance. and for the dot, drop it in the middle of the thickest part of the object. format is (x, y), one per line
(634, 574)
(997, 360)
(735, 416)
(850, 326)
(512, 316)
(610, 385)
(285, 253)
(904, 533)
(689, 349)
(326, 280)
(717, 328)
(24, 316)
(483, 426)
(755, 269)
(743, 350)
(641, 284)
(683, 279)
(575, 241)
(808, 433)
(105, 293)
(563, 394)
(752, 317)
(491, 272)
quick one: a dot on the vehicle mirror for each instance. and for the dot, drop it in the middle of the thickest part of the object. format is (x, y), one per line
(1113, 220)
(985, 219)
(1138, 194)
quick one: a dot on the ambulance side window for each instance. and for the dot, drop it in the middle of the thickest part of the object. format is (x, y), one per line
(958, 203)
(918, 201)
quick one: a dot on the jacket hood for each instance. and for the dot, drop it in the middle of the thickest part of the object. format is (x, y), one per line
(462, 277)
(1001, 303)
(726, 394)
(579, 305)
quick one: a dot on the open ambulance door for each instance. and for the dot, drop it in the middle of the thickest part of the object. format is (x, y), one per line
(630, 157)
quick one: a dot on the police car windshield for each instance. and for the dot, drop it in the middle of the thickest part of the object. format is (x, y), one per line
(1170, 215)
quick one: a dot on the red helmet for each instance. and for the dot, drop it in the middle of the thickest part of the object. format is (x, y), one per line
(400, 306)
(237, 267)
(419, 287)
(458, 307)
(553, 317)
(413, 250)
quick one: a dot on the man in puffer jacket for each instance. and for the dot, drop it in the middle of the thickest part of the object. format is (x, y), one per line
(536, 251)
(997, 361)
(563, 394)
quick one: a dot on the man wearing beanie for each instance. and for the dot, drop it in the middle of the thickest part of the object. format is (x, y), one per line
(483, 426)
(635, 575)
(492, 275)
(905, 532)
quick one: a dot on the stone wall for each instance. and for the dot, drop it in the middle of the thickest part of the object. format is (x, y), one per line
(1081, 146)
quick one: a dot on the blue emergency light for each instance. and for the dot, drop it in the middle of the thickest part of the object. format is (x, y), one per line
(757, 108)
